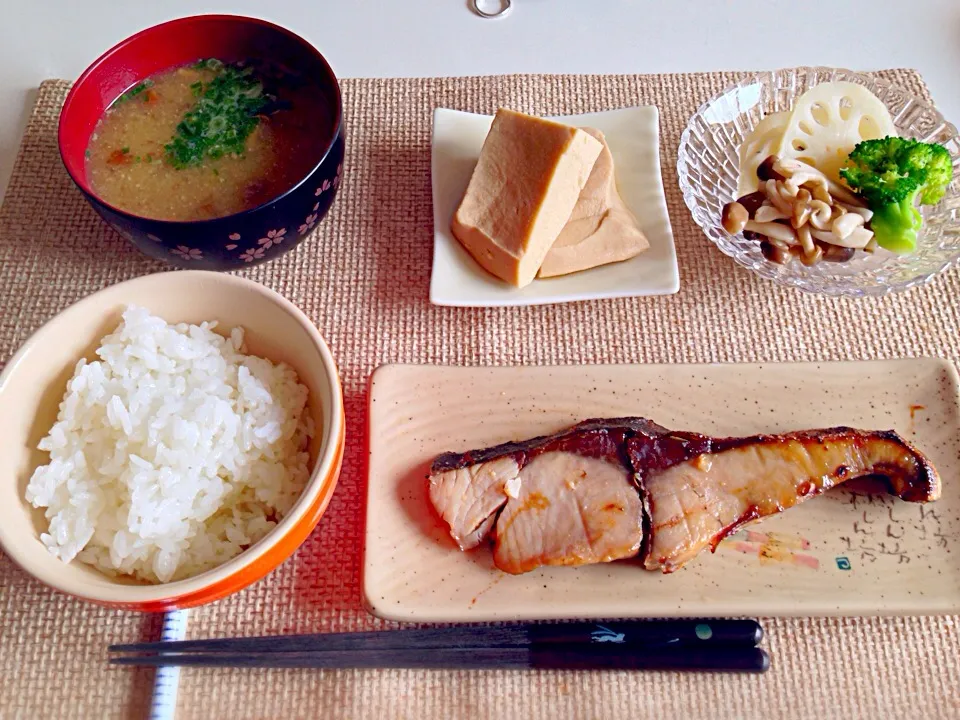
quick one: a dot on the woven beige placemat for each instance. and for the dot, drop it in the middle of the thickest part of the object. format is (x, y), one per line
(363, 279)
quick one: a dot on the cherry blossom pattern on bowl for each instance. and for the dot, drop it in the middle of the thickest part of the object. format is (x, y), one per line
(274, 237)
(308, 224)
(276, 240)
(251, 254)
(187, 253)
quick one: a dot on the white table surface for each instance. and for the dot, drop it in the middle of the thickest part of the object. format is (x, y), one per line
(42, 39)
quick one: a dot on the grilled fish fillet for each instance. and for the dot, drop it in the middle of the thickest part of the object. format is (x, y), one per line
(695, 503)
(566, 499)
(587, 494)
(469, 497)
(570, 510)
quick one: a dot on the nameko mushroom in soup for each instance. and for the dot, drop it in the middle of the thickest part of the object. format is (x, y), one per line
(206, 140)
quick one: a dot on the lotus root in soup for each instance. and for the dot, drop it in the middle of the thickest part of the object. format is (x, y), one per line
(207, 140)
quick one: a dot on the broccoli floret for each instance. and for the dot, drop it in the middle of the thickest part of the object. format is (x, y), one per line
(891, 174)
(895, 225)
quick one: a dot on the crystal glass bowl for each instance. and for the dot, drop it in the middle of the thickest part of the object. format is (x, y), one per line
(708, 168)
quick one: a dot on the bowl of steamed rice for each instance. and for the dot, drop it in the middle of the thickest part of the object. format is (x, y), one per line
(168, 441)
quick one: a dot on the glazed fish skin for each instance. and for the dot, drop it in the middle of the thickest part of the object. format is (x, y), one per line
(594, 438)
(695, 503)
(695, 489)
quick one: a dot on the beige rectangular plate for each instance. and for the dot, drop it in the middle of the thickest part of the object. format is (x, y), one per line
(844, 553)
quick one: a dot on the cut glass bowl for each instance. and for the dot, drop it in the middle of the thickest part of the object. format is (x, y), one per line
(708, 168)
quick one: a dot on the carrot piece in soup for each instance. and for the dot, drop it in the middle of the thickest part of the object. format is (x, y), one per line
(119, 157)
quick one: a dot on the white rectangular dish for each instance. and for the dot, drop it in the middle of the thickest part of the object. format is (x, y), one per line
(633, 135)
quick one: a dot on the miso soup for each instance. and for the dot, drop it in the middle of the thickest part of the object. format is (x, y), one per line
(207, 140)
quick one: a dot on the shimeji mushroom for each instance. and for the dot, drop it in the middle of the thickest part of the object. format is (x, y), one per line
(799, 208)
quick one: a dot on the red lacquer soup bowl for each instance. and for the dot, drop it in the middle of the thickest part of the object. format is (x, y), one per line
(235, 241)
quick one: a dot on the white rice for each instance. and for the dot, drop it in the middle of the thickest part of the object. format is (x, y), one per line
(172, 453)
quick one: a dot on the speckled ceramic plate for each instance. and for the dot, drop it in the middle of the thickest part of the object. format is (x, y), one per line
(844, 553)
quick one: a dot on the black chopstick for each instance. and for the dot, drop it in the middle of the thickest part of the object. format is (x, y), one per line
(718, 658)
(620, 634)
(700, 645)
